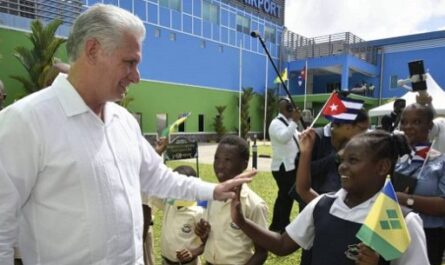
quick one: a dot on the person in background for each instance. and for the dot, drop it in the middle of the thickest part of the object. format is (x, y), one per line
(226, 243)
(398, 106)
(73, 163)
(2, 94)
(328, 224)
(427, 166)
(283, 137)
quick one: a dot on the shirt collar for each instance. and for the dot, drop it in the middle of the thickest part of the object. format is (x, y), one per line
(282, 116)
(73, 104)
(341, 195)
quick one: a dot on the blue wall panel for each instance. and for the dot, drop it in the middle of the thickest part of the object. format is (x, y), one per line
(176, 20)
(197, 26)
(140, 9)
(112, 2)
(232, 37)
(152, 13)
(164, 16)
(232, 21)
(216, 30)
(197, 8)
(187, 23)
(206, 29)
(187, 7)
(224, 20)
(128, 5)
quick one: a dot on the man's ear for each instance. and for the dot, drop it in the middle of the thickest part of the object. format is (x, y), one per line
(92, 48)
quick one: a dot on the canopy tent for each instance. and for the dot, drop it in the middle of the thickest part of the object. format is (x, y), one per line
(434, 90)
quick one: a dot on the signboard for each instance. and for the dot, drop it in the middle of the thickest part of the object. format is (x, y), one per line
(181, 148)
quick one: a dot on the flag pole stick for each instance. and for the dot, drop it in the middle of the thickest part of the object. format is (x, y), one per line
(321, 110)
(265, 104)
(305, 85)
(240, 85)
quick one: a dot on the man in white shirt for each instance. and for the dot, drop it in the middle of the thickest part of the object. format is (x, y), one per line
(73, 164)
(283, 137)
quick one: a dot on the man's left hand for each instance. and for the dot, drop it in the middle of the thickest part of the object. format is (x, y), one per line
(224, 190)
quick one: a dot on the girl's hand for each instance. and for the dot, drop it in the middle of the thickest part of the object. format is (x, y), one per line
(236, 210)
(366, 256)
(307, 140)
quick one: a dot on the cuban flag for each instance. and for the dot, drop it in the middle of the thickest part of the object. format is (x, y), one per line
(420, 152)
(341, 110)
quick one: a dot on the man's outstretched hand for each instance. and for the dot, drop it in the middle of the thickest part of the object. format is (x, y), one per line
(225, 190)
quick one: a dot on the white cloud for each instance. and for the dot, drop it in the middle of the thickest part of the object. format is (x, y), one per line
(368, 19)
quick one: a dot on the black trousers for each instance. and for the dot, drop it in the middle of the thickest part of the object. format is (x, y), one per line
(435, 244)
(283, 203)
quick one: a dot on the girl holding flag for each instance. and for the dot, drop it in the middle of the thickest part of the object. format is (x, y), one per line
(329, 224)
(427, 167)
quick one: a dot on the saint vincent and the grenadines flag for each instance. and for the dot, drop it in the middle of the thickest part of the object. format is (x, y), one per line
(384, 229)
(283, 76)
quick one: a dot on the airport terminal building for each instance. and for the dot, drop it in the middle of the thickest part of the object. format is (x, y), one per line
(199, 54)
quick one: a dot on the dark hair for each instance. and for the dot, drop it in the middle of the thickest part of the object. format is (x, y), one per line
(240, 143)
(382, 144)
(362, 116)
(426, 111)
(186, 170)
(399, 100)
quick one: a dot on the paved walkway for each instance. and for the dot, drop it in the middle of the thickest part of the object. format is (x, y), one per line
(206, 152)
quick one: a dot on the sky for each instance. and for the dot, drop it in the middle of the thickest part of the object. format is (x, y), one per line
(367, 19)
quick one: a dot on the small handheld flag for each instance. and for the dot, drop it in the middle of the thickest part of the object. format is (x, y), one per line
(384, 229)
(283, 76)
(167, 131)
(302, 76)
(341, 110)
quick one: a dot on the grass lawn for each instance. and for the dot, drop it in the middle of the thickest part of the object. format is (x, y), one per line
(263, 184)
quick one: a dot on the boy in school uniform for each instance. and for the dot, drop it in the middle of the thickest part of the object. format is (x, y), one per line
(179, 242)
(227, 243)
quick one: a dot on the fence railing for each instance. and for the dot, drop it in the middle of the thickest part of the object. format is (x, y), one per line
(66, 10)
(298, 47)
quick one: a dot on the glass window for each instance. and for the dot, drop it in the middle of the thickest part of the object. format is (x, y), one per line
(393, 81)
(200, 122)
(172, 36)
(203, 43)
(269, 34)
(210, 12)
(172, 4)
(242, 24)
(157, 33)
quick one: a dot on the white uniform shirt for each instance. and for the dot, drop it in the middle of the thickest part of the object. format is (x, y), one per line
(284, 148)
(301, 230)
(70, 183)
(178, 230)
(437, 134)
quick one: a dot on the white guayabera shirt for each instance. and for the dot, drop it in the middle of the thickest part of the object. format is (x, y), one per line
(70, 183)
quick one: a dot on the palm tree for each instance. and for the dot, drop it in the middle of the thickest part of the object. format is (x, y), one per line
(38, 60)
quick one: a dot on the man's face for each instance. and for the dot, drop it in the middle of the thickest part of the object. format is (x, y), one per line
(117, 69)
